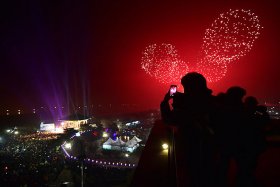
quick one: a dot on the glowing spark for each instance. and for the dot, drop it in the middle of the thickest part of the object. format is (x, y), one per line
(163, 63)
(212, 68)
(230, 37)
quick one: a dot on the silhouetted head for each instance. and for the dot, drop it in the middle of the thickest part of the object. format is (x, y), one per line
(236, 93)
(194, 82)
(251, 101)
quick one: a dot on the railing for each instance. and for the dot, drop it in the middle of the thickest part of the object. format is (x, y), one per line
(158, 167)
(172, 159)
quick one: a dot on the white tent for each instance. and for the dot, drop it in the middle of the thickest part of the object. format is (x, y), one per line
(136, 139)
(130, 145)
(119, 142)
(108, 144)
(109, 141)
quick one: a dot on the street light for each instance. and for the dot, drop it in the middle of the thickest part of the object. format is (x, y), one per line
(164, 146)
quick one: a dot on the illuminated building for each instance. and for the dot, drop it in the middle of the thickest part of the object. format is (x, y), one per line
(74, 122)
(47, 126)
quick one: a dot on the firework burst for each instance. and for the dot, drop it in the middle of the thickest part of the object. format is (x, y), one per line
(163, 63)
(230, 37)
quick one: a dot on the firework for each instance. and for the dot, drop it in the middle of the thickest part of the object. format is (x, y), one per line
(213, 68)
(231, 35)
(163, 63)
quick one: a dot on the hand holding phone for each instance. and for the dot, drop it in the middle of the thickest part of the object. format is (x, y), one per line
(172, 90)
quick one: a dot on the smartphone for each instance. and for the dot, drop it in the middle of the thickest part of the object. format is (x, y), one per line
(172, 90)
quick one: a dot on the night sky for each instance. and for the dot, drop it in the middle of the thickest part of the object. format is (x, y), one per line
(61, 53)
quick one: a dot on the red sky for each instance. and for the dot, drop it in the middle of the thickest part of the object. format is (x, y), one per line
(77, 53)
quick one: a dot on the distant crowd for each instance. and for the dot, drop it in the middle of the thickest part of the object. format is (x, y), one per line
(29, 160)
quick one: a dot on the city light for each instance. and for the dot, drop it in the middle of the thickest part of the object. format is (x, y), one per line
(164, 146)
(68, 145)
(105, 135)
(78, 134)
(59, 130)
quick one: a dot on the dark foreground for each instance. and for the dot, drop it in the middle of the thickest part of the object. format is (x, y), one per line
(154, 170)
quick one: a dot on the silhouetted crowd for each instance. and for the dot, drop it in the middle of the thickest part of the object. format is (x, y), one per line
(213, 130)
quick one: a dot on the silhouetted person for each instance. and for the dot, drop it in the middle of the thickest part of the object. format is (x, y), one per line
(191, 112)
(231, 120)
(253, 141)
